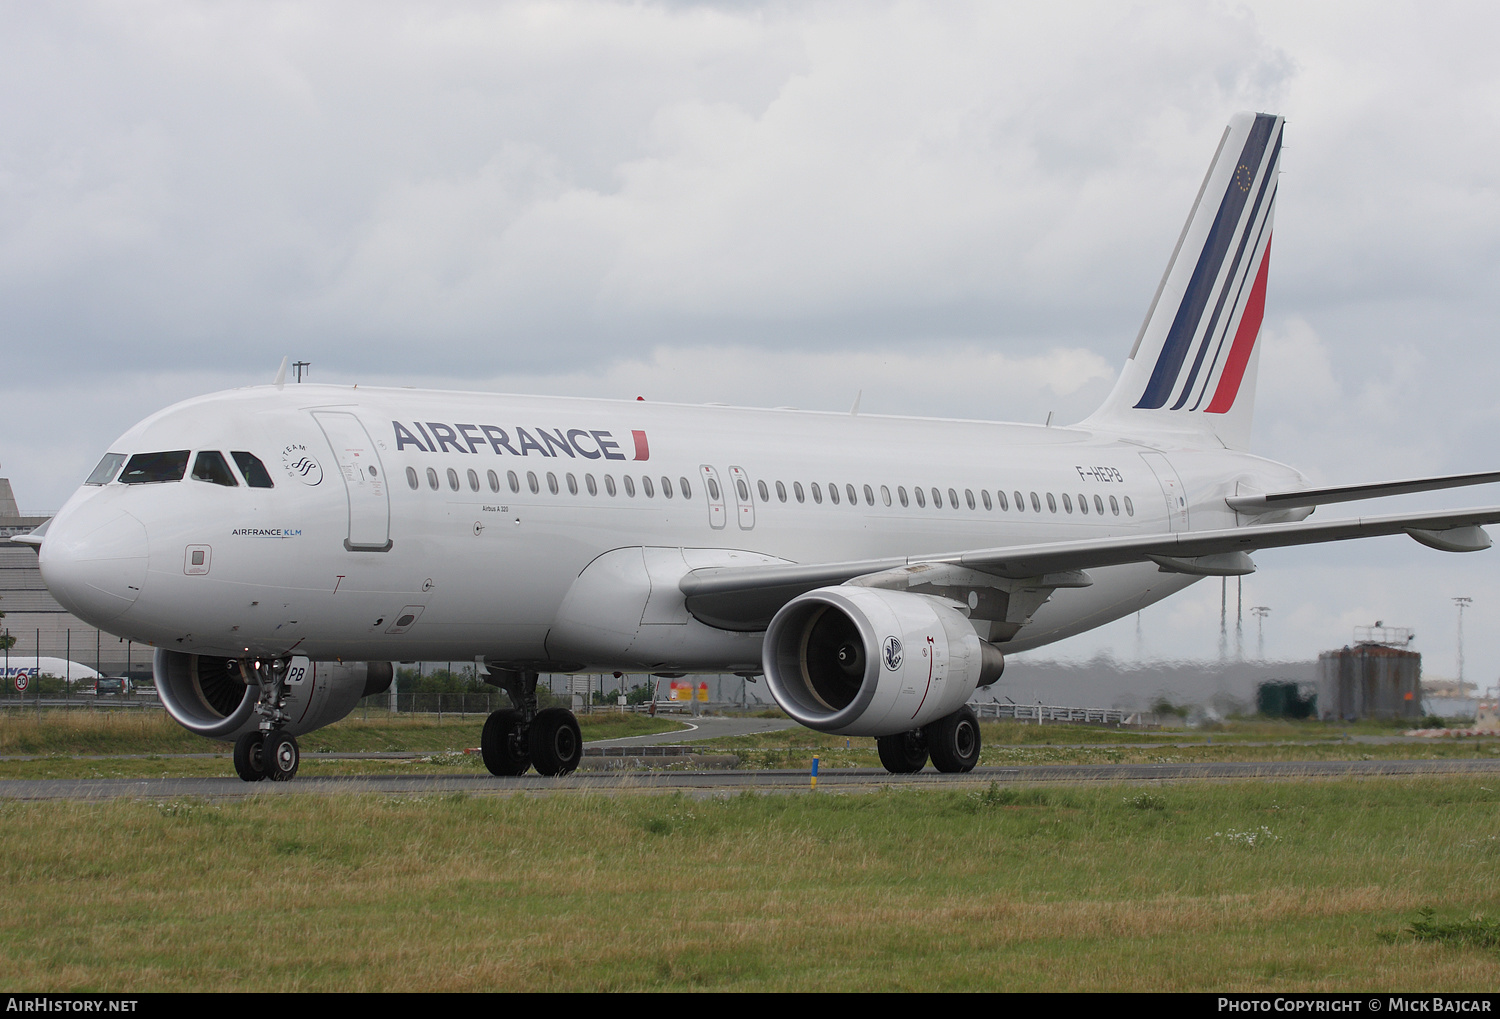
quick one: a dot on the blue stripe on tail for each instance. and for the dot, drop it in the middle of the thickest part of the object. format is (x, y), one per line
(1216, 246)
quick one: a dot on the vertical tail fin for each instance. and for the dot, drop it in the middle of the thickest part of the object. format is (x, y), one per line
(1193, 366)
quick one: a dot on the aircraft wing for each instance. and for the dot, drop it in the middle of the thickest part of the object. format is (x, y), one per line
(745, 598)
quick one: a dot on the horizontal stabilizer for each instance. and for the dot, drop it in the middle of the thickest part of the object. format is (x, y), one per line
(1354, 493)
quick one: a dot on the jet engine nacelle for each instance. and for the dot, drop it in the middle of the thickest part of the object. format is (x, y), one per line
(215, 697)
(863, 661)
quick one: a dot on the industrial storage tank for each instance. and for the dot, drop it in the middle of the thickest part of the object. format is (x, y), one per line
(1370, 680)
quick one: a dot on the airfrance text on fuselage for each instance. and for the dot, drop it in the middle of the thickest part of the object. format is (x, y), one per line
(591, 444)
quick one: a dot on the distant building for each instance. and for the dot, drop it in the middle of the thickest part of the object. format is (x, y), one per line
(1370, 681)
(1449, 698)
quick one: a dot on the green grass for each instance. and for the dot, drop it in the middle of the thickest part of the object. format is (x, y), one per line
(152, 732)
(1014, 744)
(61, 739)
(1224, 887)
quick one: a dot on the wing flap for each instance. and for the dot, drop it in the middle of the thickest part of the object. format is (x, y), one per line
(1354, 493)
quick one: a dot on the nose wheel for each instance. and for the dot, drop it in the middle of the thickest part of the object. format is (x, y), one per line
(248, 763)
(273, 755)
(281, 756)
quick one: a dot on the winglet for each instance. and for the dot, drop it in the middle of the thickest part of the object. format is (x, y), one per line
(281, 372)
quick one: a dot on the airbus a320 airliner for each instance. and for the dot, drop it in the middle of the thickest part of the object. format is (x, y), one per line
(280, 546)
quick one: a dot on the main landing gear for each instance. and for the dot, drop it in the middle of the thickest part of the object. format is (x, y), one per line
(952, 742)
(269, 752)
(515, 739)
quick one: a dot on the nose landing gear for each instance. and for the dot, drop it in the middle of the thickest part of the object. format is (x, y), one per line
(520, 738)
(269, 752)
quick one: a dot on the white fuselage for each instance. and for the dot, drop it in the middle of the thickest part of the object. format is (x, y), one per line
(345, 558)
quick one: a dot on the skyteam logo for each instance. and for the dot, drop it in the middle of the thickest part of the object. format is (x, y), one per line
(891, 653)
(298, 463)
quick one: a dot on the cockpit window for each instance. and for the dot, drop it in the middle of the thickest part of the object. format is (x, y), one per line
(211, 466)
(150, 468)
(107, 469)
(256, 475)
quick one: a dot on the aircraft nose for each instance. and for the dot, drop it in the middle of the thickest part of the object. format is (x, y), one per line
(94, 562)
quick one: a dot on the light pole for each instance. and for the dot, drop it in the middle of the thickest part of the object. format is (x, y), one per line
(1462, 602)
(1260, 612)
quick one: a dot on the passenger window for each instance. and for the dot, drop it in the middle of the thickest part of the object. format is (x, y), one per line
(937, 499)
(256, 475)
(1114, 507)
(211, 466)
(629, 485)
(797, 490)
(739, 486)
(453, 479)
(713, 490)
(513, 481)
(1099, 505)
(666, 487)
(473, 481)
(646, 488)
(591, 484)
(984, 493)
(1021, 503)
(494, 480)
(609, 484)
(107, 469)
(853, 495)
(152, 468)
(552, 482)
(432, 481)
(833, 494)
(1051, 503)
(817, 493)
(572, 485)
(901, 494)
(1129, 507)
(1036, 504)
(1004, 503)
(780, 492)
(885, 495)
(1083, 504)
(765, 493)
(969, 497)
(921, 498)
(532, 483)
(686, 489)
(1067, 502)
(411, 478)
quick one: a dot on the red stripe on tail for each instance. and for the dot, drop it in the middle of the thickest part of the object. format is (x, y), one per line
(1244, 342)
(642, 450)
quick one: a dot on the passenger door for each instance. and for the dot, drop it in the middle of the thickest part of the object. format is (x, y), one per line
(364, 481)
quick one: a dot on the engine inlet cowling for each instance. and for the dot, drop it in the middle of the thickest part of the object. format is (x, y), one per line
(216, 697)
(862, 661)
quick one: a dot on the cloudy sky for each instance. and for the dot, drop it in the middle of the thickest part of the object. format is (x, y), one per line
(960, 209)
